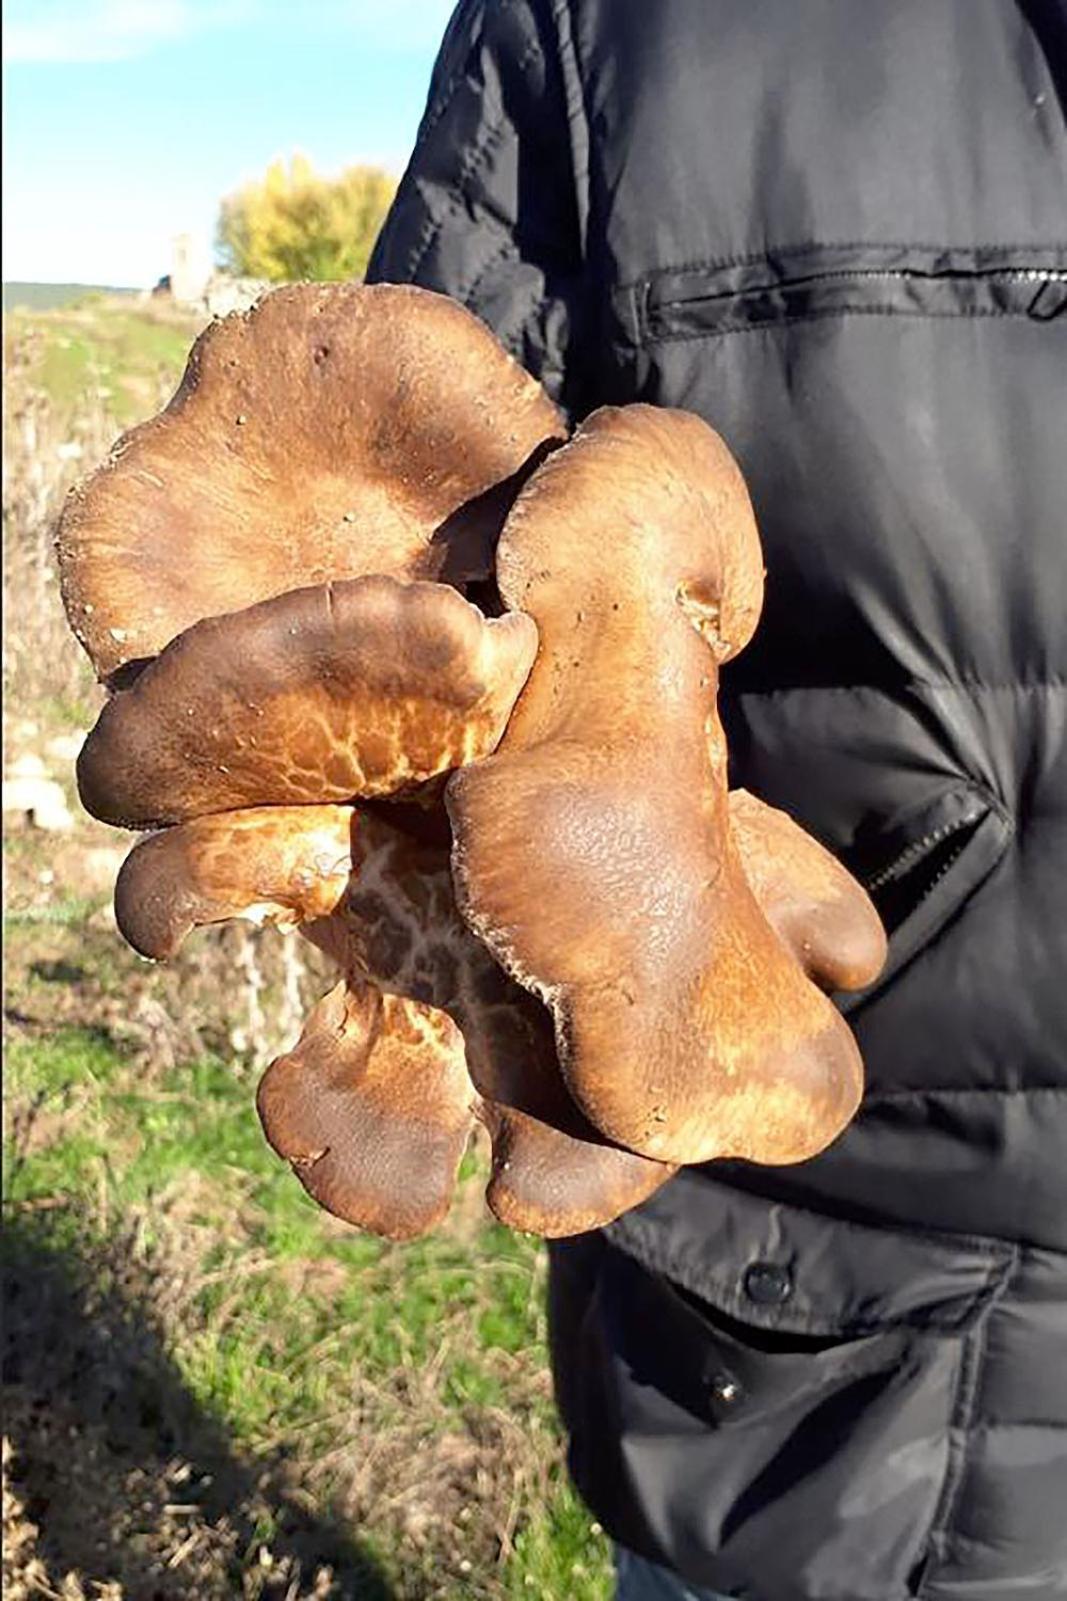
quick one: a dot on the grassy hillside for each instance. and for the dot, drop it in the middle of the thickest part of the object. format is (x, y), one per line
(212, 1390)
(45, 297)
(113, 356)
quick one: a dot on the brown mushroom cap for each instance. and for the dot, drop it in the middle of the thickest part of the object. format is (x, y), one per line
(363, 687)
(282, 864)
(337, 434)
(553, 1173)
(594, 853)
(334, 430)
(827, 920)
(372, 1109)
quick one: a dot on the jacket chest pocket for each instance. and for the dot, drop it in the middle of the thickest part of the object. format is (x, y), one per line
(863, 390)
(803, 285)
(785, 1396)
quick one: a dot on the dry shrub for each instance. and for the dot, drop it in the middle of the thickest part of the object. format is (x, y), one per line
(238, 992)
(45, 672)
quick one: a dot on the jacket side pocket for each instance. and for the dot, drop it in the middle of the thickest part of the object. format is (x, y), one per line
(921, 874)
(779, 1392)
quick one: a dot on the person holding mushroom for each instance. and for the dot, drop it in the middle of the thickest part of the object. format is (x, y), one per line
(837, 233)
(440, 644)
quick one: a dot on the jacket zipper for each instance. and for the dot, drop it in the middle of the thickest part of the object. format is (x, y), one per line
(913, 853)
(666, 311)
(1016, 274)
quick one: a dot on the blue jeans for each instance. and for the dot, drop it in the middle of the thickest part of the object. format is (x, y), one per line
(638, 1580)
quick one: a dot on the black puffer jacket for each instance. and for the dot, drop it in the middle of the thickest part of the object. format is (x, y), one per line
(838, 230)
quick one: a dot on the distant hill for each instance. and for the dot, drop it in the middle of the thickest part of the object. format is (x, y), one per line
(45, 297)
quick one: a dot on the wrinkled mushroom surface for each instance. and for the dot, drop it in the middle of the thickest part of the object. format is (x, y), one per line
(334, 430)
(424, 1035)
(593, 850)
(363, 687)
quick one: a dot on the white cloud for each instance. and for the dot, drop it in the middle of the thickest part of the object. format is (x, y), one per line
(106, 30)
(119, 30)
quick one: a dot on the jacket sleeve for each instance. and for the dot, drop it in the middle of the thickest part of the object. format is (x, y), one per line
(491, 208)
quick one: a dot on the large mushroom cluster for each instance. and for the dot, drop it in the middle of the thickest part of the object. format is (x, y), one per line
(394, 662)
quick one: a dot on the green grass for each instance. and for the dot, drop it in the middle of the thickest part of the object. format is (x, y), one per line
(68, 912)
(443, 1335)
(107, 353)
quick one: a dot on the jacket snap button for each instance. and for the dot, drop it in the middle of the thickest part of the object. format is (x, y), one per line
(725, 1389)
(768, 1284)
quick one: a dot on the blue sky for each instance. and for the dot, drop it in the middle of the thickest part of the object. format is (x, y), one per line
(126, 121)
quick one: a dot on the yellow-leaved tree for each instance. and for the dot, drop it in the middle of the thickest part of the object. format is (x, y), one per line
(292, 223)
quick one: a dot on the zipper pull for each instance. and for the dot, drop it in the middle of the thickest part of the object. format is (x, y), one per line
(1050, 300)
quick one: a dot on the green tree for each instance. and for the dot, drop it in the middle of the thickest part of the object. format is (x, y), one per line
(292, 223)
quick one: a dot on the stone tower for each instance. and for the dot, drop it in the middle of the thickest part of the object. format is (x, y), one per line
(190, 270)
